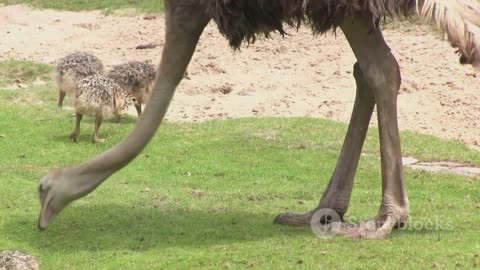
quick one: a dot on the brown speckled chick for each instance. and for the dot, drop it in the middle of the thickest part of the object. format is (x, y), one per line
(98, 96)
(135, 78)
(71, 69)
(14, 260)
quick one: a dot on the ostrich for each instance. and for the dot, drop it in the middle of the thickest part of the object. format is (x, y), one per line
(97, 96)
(72, 68)
(376, 73)
(135, 78)
(15, 260)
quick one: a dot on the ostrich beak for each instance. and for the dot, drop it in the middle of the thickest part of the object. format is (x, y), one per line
(47, 214)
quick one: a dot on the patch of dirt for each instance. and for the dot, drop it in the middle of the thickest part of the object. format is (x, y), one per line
(298, 75)
(441, 166)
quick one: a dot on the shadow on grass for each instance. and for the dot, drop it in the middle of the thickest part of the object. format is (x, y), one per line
(124, 120)
(86, 137)
(114, 227)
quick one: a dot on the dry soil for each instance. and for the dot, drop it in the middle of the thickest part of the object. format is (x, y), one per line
(299, 75)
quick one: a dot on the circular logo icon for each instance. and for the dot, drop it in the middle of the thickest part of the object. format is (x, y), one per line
(325, 223)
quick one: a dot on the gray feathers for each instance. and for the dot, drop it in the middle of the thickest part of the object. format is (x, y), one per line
(242, 21)
(81, 73)
(77, 66)
(97, 95)
(135, 78)
(72, 68)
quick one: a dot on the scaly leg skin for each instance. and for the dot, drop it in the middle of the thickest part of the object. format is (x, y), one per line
(96, 138)
(139, 109)
(378, 71)
(76, 130)
(337, 194)
(383, 75)
(61, 97)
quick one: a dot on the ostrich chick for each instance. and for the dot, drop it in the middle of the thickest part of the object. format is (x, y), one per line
(14, 260)
(98, 96)
(136, 78)
(71, 69)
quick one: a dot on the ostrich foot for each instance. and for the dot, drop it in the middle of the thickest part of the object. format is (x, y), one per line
(319, 215)
(377, 228)
(98, 140)
(328, 222)
(293, 219)
(74, 136)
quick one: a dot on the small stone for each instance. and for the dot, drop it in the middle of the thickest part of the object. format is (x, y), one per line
(226, 89)
(150, 17)
(244, 93)
(258, 109)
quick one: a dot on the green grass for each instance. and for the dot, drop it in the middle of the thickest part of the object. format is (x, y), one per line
(203, 196)
(81, 5)
(24, 72)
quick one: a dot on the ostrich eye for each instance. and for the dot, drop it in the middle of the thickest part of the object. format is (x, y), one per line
(40, 189)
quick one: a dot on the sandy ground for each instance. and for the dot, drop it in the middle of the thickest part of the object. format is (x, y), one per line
(298, 75)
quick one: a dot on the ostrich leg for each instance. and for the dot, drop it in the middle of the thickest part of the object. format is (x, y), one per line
(382, 76)
(98, 123)
(61, 97)
(337, 194)
(382, 73)
(185, 24)
(76, 130)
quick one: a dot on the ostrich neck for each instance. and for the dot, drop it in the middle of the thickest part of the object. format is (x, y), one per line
(148, 123)
(177, 53)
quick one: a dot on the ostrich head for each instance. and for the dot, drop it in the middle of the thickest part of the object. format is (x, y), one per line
(53, 197)
(62, 186)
